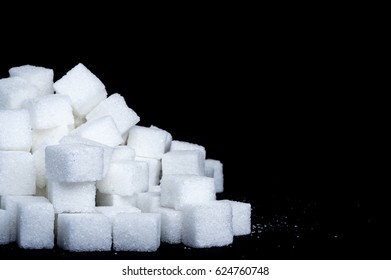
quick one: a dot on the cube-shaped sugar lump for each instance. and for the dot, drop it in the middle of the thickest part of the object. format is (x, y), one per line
(72, 197)
(154, 169)
(15, 130)
(5, 227)
(74, 163)
(241, 217)
(11, 203)
(84, 232)
(171, 225)
(35, 225)
(115, 107)
(14, 92)
(125, 178)
(83, 87)
(207, 225)
(178, 191)
(187, 162)
(147, 142)
(46, 137)
(102, 130)
(112, 211)
(107, 150)
(104, 199)
(148, 202)
(181, 145)
(214, 169)
(17, 173)
(40, 77)
(50, 111)
(168, 138)
(138, 232)
(123, 153)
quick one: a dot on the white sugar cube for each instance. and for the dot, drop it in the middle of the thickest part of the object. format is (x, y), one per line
(14, 92)
(103, 199)
(241, 217)
(84, 232)
(207, 225)
(72, 197)
(46, 137)
(123, 153)
(154, 169)
(178, 191)
(50, 111)
(181, 145)
(17, 173)
(112, 211)
(147, 142)
(171, 225)
(138, 232)
(168, 138)
(74, 163)
(148, 202)
(83, 87)
(15, 130)
(40, 77)
(102, 130)
(125, 178)
(214, 169)
(115, 107)
(187, 162)
(5, 227)
(35, 225)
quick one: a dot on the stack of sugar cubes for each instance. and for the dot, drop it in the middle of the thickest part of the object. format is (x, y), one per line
(77, 171)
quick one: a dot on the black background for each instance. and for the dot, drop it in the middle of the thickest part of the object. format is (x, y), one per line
(289, 113)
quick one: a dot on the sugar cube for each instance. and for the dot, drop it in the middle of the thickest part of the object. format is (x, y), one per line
(46, 137)
(187, 162)
(17, 173)
(83, 87)
(84, 232)
(112, 211)
(14, 92)
(138, 232)
(103, 199)
(148, 202)
(154, 169)
(123, 153)
(168, 138)
(15, 130)
(171, 225)
(115, 107)
(241, 217)
(207, 225)
(5, 227)
(214, 169)
(181, 145)
(72, 197)
(40, 77)
(147, 142)
(180, 190)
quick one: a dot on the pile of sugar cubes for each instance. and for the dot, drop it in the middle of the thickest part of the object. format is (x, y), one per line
(77, 171)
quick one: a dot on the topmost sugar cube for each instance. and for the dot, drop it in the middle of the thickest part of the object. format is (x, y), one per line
(83, 87)
(40, 77)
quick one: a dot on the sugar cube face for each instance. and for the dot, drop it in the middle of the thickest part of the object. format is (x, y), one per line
(241, 217)
(147, 142)
(83, 87)
(123, 153)
(189, 162)
(207, 225)
(46, 137)
(84, 232)
(125, 178)
(10, 203)
(112, 211)
(17, 173)
(72, 197)
(74, 163)
(40, 170)
(181, 145)
(168, 138)
(115, 107)
(154, 169)
(103, 199)
(40, 77)
(15, 130)
(138, 232)
(49, 111)
(14, 92)
(214, 169)
(102, 130)
(171, 225)
(148, 202)
(35, 225)
(5, 227)
(178, 191)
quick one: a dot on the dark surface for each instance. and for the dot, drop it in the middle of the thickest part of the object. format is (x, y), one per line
(293, 141)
